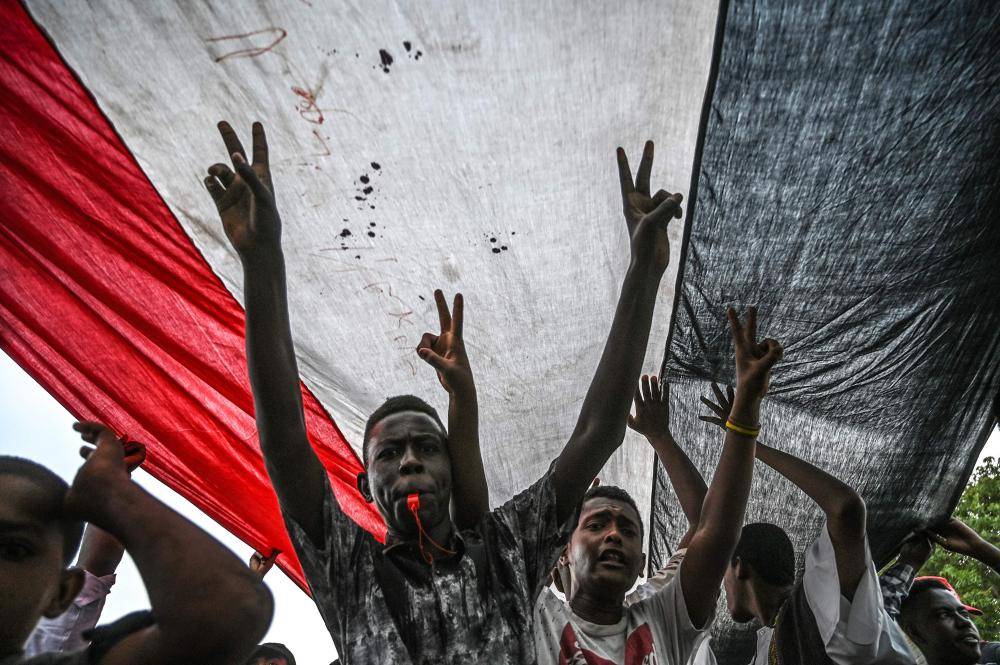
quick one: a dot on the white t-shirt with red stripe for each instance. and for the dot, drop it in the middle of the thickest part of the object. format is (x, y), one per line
(655, 630)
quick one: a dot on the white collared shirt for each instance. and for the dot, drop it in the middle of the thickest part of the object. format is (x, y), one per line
(854, 632)
(65, 632)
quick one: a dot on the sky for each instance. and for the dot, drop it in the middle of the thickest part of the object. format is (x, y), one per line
(36, 427)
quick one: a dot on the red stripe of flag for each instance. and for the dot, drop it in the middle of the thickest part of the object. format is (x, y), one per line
(106, 302)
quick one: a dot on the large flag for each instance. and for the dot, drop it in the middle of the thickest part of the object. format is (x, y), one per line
(840, 162)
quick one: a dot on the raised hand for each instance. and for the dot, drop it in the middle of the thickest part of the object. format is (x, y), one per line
(957, 536)
(720, 409)
(647, 216)
(916, 550)
(135, 455)
(754, 359)
(260, 564)
(104, 468)
(245, 199)
(445, 352)
(652, 409)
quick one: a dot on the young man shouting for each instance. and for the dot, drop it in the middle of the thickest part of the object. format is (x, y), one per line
(605, 554)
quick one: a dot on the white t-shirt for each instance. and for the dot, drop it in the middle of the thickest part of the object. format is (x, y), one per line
(857, 632)
(653, 631)
(703, 655)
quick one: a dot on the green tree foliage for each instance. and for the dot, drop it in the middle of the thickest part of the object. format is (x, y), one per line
(978, 586)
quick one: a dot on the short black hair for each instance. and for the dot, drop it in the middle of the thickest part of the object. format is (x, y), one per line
(393, 405)
(920, 587)
(55, 487)
(768, 550)
(272, 649)
(616, 494)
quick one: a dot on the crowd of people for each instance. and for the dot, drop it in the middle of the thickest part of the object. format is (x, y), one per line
(549, 577)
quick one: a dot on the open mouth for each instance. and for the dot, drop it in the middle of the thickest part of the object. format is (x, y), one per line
(612, 558)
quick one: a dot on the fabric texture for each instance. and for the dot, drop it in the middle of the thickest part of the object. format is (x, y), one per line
(385, 605)
(656, 629)
(848, 183)
(468, 157)
(65, 632)
(110, 307)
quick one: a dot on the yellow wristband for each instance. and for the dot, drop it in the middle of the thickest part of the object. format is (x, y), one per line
(740, 429)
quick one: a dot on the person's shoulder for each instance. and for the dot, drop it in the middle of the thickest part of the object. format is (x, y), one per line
(662, 602)
(550, 603)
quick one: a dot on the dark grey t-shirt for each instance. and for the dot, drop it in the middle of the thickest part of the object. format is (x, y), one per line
(384, 605)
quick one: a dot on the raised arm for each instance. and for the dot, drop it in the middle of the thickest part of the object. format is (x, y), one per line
(652, 420)
(445, 352)
(713, 544)
(957, 536)
(208, 606)
(246, 204)
(600, 427)
(100, 552)
(844, 509)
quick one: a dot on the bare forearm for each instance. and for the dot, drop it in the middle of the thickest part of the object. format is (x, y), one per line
(600, 428)
(726, 499)
(988, 554)
(844, 509)
(714, 542)
(100, 552)
(832, 495)
(684, 476)
(470, 491)
(274, 374)
(295, 471)
(220, 608)
(609, 396)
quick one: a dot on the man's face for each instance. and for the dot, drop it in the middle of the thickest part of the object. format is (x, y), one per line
(605, 550)
(407, 454)
(33, 581)
(736, 585)
(268, 660)
(942, 628)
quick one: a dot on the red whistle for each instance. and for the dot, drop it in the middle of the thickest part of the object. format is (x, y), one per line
(413, 502)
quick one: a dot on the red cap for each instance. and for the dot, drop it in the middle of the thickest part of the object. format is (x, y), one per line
(968, 608)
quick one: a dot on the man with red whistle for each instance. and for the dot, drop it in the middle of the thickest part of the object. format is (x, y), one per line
(434, 593)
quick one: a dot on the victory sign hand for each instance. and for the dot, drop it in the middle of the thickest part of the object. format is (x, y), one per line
(647, 216)
(245, 199)
(445, 352)
(754, 359)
